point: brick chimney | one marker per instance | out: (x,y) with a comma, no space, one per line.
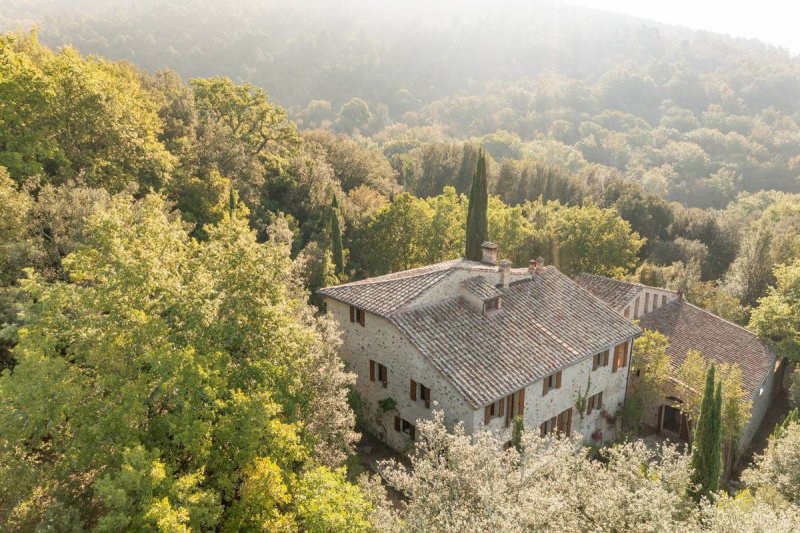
(505,272)
(489,250)
(532,267)
(539,264)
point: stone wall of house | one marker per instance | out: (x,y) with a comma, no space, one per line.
(578,379)
(380,341)
(762,400)
(650,299)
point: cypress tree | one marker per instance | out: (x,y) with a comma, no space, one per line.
(707,446)
(477,211)
(336,237)
(517,429)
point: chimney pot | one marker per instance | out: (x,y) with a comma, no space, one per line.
(489,250)
(505,272)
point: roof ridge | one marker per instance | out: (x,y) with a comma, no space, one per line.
(384,278)
(590,293)
(446,272)
(723,319)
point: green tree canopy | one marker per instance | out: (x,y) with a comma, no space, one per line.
(172,384)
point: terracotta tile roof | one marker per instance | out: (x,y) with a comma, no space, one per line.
(545,324)
(482,288)
(614,292)
(690,328)
(383,295)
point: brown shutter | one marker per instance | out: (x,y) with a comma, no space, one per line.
(352,314)
(509,409)
(371,370)
(616,359)
(426,395)
(502,408)
(397,423)
(625,354)
(605,358)
(544,387)
(600,400)
(595,362)
(384,375)
(590,405)
(558,379)
(487,415)
(413,390)
(412,431)
(543,428)
(362,319)
(568,429)
(521,394)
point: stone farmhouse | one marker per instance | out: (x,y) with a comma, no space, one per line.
(688,327)
(484,343)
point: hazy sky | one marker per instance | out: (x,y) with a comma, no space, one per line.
(772,21)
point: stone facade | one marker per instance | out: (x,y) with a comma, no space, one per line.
(380,341)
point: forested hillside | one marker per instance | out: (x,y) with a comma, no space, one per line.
(692,116)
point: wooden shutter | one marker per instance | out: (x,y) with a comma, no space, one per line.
(509,409)
(544,386)
(397,423)
(605,358)
(384,372)
(353,314)
(412,431)
(426,396)
(521,399)
(558,379)
(371,370)
(487,415)
(568,429)
(413,390)
(625,354)
(600,400)
(595,362)
(502,408)
(543,428)
(362,317)
(590,405)
(615,366)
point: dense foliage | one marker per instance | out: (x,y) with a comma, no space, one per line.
(457,483)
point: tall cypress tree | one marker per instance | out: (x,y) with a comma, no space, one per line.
(707,445)
(336,237)
(477,211)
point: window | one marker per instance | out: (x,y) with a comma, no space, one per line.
(424,393)
(401,425)
(646,302)
(620,356)
(594,402)
(600,359)
(491,305)
(379,371)
(357,315)
(561,424)
(515,405)
(494,410)
(553,381)
(636,308)
(664,300)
